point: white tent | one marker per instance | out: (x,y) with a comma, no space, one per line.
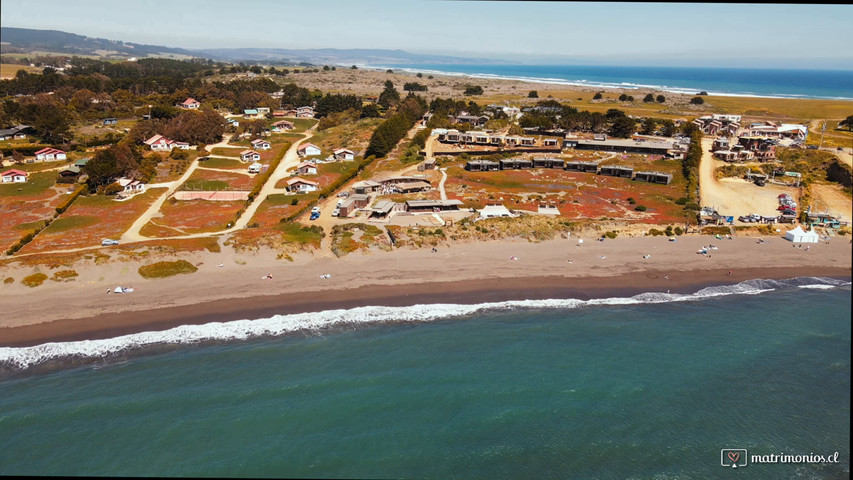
(492,211)
(798,235)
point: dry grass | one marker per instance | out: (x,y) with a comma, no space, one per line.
(167,269)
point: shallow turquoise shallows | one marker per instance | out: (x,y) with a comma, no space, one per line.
(641,391)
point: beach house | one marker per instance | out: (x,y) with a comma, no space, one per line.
(282,125)
(307,168)
(305,112)
(110,121)
(50,155)
(190,104)
(343,154)
(259,144)
(14,176)
(308,150)
(159,143)
(300,185)
(250,156)
(252,113)
(15,133)
(255,168)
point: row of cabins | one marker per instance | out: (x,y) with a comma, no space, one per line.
(587,167)
(262,112)
(18,132)
(778,130)
(485,138)
(311,150)
(746,149)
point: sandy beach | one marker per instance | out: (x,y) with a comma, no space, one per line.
(463,273)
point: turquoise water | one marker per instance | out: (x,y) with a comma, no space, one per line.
(785,83)
(610,391)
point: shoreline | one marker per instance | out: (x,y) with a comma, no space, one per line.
(594,86)
(489,290)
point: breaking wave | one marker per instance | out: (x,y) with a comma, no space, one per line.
(22,358)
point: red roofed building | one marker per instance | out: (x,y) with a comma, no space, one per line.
(13,176)
(189,103)
(50,155)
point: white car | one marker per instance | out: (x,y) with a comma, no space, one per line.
(336,212)
(315,210)
(108,242)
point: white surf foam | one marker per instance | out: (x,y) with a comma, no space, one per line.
(277,325)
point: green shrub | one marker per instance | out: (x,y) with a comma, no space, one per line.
(34,280)
(679,231)
(631,200)
(611,235)
(682,201)
(68,201)
(640,208)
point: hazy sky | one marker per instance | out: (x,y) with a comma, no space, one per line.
(761,35)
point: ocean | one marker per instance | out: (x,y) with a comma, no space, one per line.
(648,387)
(787,83)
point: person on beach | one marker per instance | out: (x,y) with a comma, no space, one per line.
(666,277)
(730,273)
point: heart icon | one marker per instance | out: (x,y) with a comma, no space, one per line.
(734,456)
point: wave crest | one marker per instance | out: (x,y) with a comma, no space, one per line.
(21,358)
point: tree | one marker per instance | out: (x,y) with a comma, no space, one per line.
(623,127)
(614,113)
(205,126)
(648,127)
(667,128)
(702,93)
(533,94)
(414,87)
(848,122)
(354,67)
(623,97)
(370,111)
(648,98)
(420,75)
(389,71)
(326,68)
(697,101)
(474,90)
(50,119)
(17,156)
(390,96)
(660,99)
(597,96)
(112,162)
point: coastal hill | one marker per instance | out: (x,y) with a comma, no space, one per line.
(26,40)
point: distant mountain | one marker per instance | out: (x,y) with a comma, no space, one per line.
(25,40)
(327,56)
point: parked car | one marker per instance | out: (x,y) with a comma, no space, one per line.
(812,147)
(108,242)
(315,215)
(336,212)
(315,210)
(760,182)
(343,194)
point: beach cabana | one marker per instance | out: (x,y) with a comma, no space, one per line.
(798,235)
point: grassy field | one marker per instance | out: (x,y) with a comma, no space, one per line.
(89,219)
(37,184)
(192,216)
(223,163)
(214,180)
(8,70)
